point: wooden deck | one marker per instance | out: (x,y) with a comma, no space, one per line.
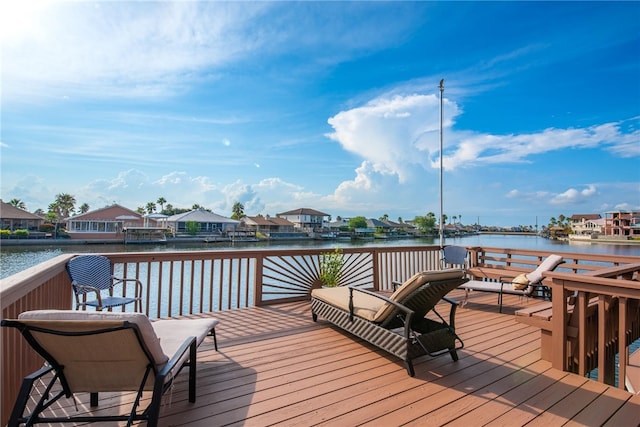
(277,367)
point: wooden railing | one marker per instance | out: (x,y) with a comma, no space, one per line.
(601,335)
(194,282)
(527,260)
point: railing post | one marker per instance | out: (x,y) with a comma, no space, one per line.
(559,325)
(257,285)
(580,309)
(623,350)
(376,273)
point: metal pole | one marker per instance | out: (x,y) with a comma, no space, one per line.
(441,196)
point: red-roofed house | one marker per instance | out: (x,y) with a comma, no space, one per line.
(106,223)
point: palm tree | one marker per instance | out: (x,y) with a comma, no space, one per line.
(151,207)
(561,220)
(18,204)
(237,211)
(84,208)
(384,218)
(161,201)
(65,204)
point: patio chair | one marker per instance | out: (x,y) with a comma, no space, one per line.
(525,284)
(89,351)
(93,274)
(454,256)
(398,323)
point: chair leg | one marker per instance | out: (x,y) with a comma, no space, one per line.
(93,399)
(192,372)
(215,340)
(23,398)
(409,366)
(46,399)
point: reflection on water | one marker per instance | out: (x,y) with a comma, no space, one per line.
(15,259)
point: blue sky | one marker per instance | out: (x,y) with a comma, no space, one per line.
(327,105)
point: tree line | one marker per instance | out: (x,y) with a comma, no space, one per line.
(64,206)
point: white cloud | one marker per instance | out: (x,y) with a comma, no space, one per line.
(568,197)
(155,49)
(573,196)
(393,133)
(473,148)
(125,49)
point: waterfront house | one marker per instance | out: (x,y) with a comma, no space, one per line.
(104,224)
(270,227)
(586,223)
(12,218)
(305,219)
(382,229)
(208,222)
(402,228)
(622,224)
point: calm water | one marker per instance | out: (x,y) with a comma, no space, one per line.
(15,259)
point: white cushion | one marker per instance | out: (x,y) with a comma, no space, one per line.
(173,332)
(548,264)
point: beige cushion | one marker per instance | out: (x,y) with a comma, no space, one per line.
(148,334)
(548,264)
(116,362)
(375,309)
(520,282)
(364,305)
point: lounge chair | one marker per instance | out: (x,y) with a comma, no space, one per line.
(526,284)
(93,274)
(397,324)
(89,351)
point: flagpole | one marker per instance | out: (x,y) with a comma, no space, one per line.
(441,229)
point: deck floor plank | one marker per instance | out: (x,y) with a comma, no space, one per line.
(275,366)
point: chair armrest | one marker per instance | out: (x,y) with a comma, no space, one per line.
(87,289)
(408,312)
(171,364)
(382,297)
(124,280)
(452,311)
(450,301)
(395,284)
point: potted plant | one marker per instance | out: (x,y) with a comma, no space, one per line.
(331,267)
